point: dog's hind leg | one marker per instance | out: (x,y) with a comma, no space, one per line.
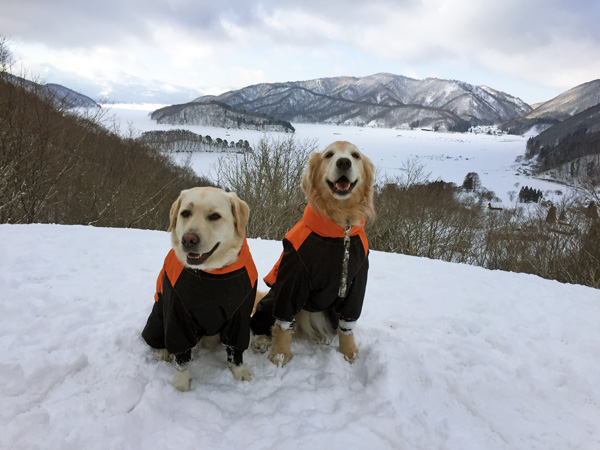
(261,343)
(163,355)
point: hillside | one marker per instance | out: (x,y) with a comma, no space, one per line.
(569,151)
(217,114)
(476,360)
(382,100)
(60,166)
(61,95)
(560,108)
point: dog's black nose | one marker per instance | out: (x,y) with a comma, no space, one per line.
(189,240)
(343,164)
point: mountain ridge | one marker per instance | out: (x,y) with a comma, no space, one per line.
(56,92)
(380,100)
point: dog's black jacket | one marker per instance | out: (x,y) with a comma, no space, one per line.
(307,275)
(190,304)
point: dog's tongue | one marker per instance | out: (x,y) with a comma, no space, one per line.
(343,184)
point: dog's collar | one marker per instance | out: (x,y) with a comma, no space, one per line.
(173,267)
(244,257)
(326,227)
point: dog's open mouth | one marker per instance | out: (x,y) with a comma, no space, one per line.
(342,186)
(196,259)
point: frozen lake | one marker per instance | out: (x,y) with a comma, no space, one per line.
(445,156)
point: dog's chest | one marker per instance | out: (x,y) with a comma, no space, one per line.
(210,300)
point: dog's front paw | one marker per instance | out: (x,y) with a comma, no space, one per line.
(280,359)
(261,343)
(241,372)
(182,380)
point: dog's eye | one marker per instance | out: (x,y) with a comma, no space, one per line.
(355,155)
(214,216)
(185,213)
(328,155)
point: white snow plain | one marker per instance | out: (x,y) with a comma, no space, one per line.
(451,357)
(445,156)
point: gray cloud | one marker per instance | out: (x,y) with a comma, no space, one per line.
(552,43)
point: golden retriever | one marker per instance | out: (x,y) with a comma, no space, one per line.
(318,284)
(207,286)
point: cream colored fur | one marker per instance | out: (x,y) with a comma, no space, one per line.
(192,213)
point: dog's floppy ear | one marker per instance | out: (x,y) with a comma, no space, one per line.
(174,212)
(308,179)
(241,213)
(369,169)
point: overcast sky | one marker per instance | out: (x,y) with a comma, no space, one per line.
(533,49)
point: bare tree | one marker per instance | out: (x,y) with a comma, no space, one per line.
(268,178)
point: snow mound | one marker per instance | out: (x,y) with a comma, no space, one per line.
(451,357)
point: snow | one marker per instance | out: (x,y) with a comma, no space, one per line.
(446,156)
(451,357)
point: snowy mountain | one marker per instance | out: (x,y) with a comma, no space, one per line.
(381,100)
(476,360)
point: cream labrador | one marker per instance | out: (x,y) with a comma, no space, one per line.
(207,287)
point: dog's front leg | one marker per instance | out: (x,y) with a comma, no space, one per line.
(280,347)
(348,347)
(182,380)
(235,362)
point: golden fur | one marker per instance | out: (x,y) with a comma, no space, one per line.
(351,204)
(358,206)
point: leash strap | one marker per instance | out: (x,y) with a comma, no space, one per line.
(344,279)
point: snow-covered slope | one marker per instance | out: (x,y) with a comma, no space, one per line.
(569,103)
(452,357)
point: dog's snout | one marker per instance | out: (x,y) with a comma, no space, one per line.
(343,163)
(190,239)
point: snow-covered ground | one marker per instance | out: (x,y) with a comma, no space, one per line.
(446,156)
(452,357)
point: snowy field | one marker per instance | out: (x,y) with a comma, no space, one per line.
(446,156)
(478,359)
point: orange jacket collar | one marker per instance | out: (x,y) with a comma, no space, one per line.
(326,227)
